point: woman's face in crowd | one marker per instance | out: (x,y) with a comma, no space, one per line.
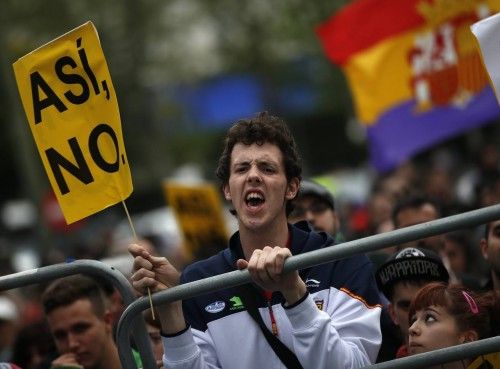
(431,329)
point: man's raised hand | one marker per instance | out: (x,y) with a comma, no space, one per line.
(154,272)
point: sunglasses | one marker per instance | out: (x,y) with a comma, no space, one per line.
(315,208)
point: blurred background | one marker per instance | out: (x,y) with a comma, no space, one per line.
(184,71)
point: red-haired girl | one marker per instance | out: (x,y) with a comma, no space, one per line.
(447,315)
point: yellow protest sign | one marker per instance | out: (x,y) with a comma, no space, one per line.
(198,211)
(72,110)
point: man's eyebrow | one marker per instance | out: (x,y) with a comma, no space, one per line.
(77,324)
(265,161)
(404,302)
(241,162)
(268,164)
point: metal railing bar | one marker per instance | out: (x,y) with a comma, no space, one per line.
(306,260)
(96,269)
(441,356)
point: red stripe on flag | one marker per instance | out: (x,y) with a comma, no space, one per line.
(364,23)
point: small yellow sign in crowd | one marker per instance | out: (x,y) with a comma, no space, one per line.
(199,214)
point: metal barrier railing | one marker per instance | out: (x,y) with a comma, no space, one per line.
(441,356)
(306,260)
(96,269)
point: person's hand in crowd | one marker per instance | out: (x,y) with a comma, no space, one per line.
(157,274)
(153,272)
(266,268)
(66,360)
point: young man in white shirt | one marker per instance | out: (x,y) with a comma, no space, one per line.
(327,316)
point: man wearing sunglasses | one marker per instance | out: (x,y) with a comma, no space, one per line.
(315,204)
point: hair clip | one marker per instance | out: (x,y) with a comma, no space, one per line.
(472,304)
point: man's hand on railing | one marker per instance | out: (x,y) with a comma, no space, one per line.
(266,268)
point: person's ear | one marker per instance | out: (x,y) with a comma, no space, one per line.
(292,188)
(392,313)
(108,320)
(469,336)
(483,244)
(227,193)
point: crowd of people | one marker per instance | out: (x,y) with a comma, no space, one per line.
(398,301)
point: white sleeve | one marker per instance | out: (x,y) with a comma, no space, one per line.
(347,336)
(191,349)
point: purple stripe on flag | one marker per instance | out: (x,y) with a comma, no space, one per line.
(401,133)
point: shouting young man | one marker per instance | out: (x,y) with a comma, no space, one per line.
(325,316)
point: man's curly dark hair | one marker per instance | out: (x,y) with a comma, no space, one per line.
(263,128)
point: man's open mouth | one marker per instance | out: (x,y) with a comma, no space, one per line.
(254,199)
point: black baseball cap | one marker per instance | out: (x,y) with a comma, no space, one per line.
(410,264)
(311,188)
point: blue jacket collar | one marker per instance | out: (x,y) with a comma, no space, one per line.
(303,239)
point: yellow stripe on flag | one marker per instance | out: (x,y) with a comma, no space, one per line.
(380,77)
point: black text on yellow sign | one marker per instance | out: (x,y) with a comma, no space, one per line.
(69,100)
(199,213)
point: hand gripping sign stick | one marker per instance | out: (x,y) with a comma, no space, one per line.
(72,110)
(136,239)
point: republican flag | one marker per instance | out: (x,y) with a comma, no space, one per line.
(414,71)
